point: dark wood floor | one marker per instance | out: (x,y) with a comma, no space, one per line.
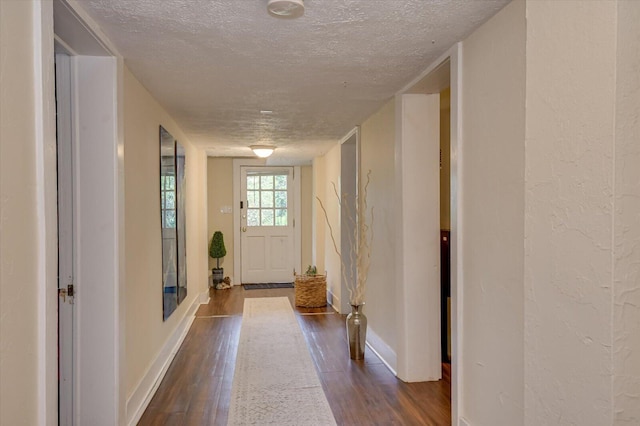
(197,387)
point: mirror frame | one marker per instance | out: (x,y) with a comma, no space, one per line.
(172,222)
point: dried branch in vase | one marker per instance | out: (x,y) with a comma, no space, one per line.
(359,242)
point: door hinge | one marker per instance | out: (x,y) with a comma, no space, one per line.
(294,223)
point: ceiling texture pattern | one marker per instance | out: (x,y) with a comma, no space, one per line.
(215,64)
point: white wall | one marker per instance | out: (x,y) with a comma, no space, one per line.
(626,278)
(146,333)
(492,169)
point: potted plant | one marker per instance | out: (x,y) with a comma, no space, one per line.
(217,250)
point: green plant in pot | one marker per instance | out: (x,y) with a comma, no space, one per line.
(217,250)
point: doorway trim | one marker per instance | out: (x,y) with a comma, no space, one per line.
(454,56)
(238,163)
(97,94)
(47,203)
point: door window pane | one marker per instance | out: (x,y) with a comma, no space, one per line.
(170,200)
(169,183)
(252,199)
(252,182)
(281,217)
(281,199)
(266,182)
(281,182)
(267,217)
(266,199)
(253,217)
(170,219)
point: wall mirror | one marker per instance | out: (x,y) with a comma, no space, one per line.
(173,222)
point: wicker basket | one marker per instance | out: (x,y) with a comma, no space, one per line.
(311,291)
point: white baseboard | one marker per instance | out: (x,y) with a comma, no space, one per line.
(386,354)
(146,388)
(204,297)
(463,422)
(333,301)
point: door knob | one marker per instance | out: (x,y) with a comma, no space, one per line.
(244,229)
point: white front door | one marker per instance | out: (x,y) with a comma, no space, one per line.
(267,224)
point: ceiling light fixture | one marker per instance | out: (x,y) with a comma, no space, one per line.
(263,151)
(288,9)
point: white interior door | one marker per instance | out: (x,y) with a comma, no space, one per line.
(267,224)
(65,241)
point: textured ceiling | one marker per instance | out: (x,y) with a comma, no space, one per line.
(215,64)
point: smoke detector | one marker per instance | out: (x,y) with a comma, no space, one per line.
(288,9)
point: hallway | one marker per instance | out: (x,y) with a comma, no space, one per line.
(196,389)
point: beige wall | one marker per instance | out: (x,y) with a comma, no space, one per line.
(318,247)
(327,170)
(581,284)
(377,154)
(581,193)
(572,130)
(146,333)
(220,194)
(19,244)
(306,215)
(626,278)
(493,220)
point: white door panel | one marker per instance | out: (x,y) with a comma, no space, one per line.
(255,255)
(66,274)
(280,253)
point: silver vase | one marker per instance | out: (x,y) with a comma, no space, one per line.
(356,332)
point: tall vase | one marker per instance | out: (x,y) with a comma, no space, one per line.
(356,332)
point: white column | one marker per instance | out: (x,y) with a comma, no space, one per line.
(418,236)
(98,220)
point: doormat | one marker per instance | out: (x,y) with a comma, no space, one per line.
(262,286)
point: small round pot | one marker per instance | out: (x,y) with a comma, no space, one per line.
(218,275)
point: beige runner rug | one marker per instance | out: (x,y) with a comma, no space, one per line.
(275,381)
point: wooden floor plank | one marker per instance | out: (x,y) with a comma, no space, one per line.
(197,387)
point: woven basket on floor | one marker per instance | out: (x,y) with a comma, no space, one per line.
(311,291)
